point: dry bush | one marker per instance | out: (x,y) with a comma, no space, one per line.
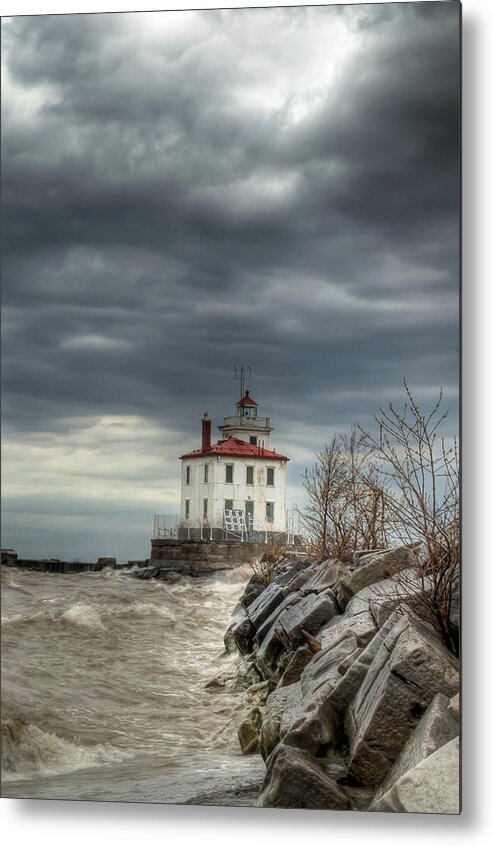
(346,501)
(422,504)
(397,486)
(264,568)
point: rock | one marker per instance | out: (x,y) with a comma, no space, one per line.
(257,694)
(246,674)
(263,606)
(296,665)
(219,682)
(317,730)
(409,668)
(436,727)
(454,707)
(284,707)
(300,578)
(326,575)
(243,634)
(349,683)
(361,624)
(364,553)
(267,655)
(295,779)
(348,661)
(309,614)
(382,598)
(228,639)
(249,731)
(322,674)
(255,586)
(288,570)
(290,600)
(432,787)
(375,568)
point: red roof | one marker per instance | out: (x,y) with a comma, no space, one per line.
(237,448)
(246,400)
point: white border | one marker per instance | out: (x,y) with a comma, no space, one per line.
(54,823)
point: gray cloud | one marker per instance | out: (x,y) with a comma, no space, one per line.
(278,187)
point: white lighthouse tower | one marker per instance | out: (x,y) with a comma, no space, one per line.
(235,487)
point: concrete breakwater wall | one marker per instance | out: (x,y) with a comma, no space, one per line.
(52,565)
(351,698)
(170,555)
(188,556)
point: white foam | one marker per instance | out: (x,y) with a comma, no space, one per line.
(84,616)
(28,750)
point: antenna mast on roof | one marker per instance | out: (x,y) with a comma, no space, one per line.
(243,375)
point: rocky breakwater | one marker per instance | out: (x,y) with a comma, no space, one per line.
(353,700)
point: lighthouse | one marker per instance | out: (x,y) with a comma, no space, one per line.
(234,488)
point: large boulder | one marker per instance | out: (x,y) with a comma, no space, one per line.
(436,727)
(309,614)
(375,568)
(409,668)
(322,674)
(289,569)
(301,577)
(325,575)
(296,664)
(317,731)
(348,683)
(267,655)
(254,587)
(431,787)
(242,634)
(284,707)
(361,623)
(406,588)
(263,606)
(296,779)
(291,599)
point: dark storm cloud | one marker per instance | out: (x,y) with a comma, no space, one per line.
(160,225)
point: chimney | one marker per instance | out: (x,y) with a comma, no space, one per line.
(206,432)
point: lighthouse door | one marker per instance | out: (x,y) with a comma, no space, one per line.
(249,515)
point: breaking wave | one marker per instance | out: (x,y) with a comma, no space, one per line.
(117,677)
(84,616)
(27,750)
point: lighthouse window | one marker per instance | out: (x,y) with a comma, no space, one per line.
(253,440)
(269,512)
(206,502)
(249,475)
(206,473)
(229,473)
(187,509)
(187,471)
(270,475)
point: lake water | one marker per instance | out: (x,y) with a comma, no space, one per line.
(104,689)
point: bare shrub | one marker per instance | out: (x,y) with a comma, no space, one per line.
(346,501)
(422,502)
(265,567)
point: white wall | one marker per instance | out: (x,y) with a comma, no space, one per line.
(216,491)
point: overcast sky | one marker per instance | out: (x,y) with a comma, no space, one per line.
(184,192)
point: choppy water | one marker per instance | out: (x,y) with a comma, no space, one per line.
(104,687)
